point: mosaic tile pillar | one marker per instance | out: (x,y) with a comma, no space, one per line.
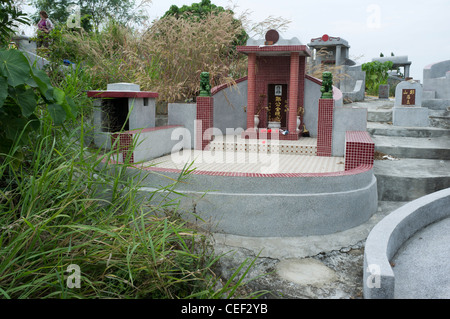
(205,121)
(325,127)
(359,149)
(293,92)
(123,144)
(251,91)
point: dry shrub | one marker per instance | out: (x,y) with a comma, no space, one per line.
(170,54)
(183,48)
(316,70)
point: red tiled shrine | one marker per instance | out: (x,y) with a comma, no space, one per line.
(276,82)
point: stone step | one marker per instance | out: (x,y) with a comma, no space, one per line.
(409,179)
(414,147)
(440,118)
(436,104)
(385,129)
(379,115)
(428,95)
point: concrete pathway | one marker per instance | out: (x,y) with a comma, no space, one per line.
(422,264)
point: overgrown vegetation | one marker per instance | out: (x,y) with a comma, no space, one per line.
(63,207)
(167,57)
(10,18)
(376,74)
(60,205)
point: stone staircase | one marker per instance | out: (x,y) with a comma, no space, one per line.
(419,157)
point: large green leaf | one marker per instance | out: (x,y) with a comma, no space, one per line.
(14,66)
(24,98)
(59,96)
(17,127)
(73,107)
(3,90)
(57,113)
(39,79)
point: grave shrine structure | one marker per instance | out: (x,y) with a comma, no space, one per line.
(276,82)
(124,120)
(335,51)
(408,110)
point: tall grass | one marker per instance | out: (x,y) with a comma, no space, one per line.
(62,206)
(168,56)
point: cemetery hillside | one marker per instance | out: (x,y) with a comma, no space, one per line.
(205,155)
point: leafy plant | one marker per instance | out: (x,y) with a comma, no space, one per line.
(22,89)
(376,74)
(10,16)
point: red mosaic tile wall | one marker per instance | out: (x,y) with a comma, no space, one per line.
(325,127)
(251,90)
(123,142)
(205,121)
(359,149)
(276,70)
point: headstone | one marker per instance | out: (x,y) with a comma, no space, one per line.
(383,91)
(408,110)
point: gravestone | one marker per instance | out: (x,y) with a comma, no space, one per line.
(383,91)
(408,110)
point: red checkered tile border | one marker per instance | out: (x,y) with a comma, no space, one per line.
(325,127)
(359,149)
(205,121)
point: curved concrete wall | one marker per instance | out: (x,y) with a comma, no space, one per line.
(436,78)
(436,70)
(390,233)
(273,205)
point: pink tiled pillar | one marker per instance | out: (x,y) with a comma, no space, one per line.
(251,91)
(123,143)
(205,121)
(325,127)
(359,149)
(293,92)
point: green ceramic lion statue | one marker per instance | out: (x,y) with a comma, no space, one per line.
(327,85)
(205,87)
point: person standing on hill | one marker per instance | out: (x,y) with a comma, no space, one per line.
(44,28)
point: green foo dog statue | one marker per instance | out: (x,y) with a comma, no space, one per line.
(327,85)
(205,87)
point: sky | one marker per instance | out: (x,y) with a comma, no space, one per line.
(417,29)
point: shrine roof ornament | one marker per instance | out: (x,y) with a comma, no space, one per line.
(274,44)
(326,40)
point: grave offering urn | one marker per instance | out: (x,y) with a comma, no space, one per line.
(256,121)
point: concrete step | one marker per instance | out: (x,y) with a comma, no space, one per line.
(384,129)
(379,115)
(440,118)
(436,104)
(414,147)
(409,179)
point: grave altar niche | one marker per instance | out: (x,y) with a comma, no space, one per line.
(276,81)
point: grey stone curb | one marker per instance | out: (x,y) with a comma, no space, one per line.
(390,233)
